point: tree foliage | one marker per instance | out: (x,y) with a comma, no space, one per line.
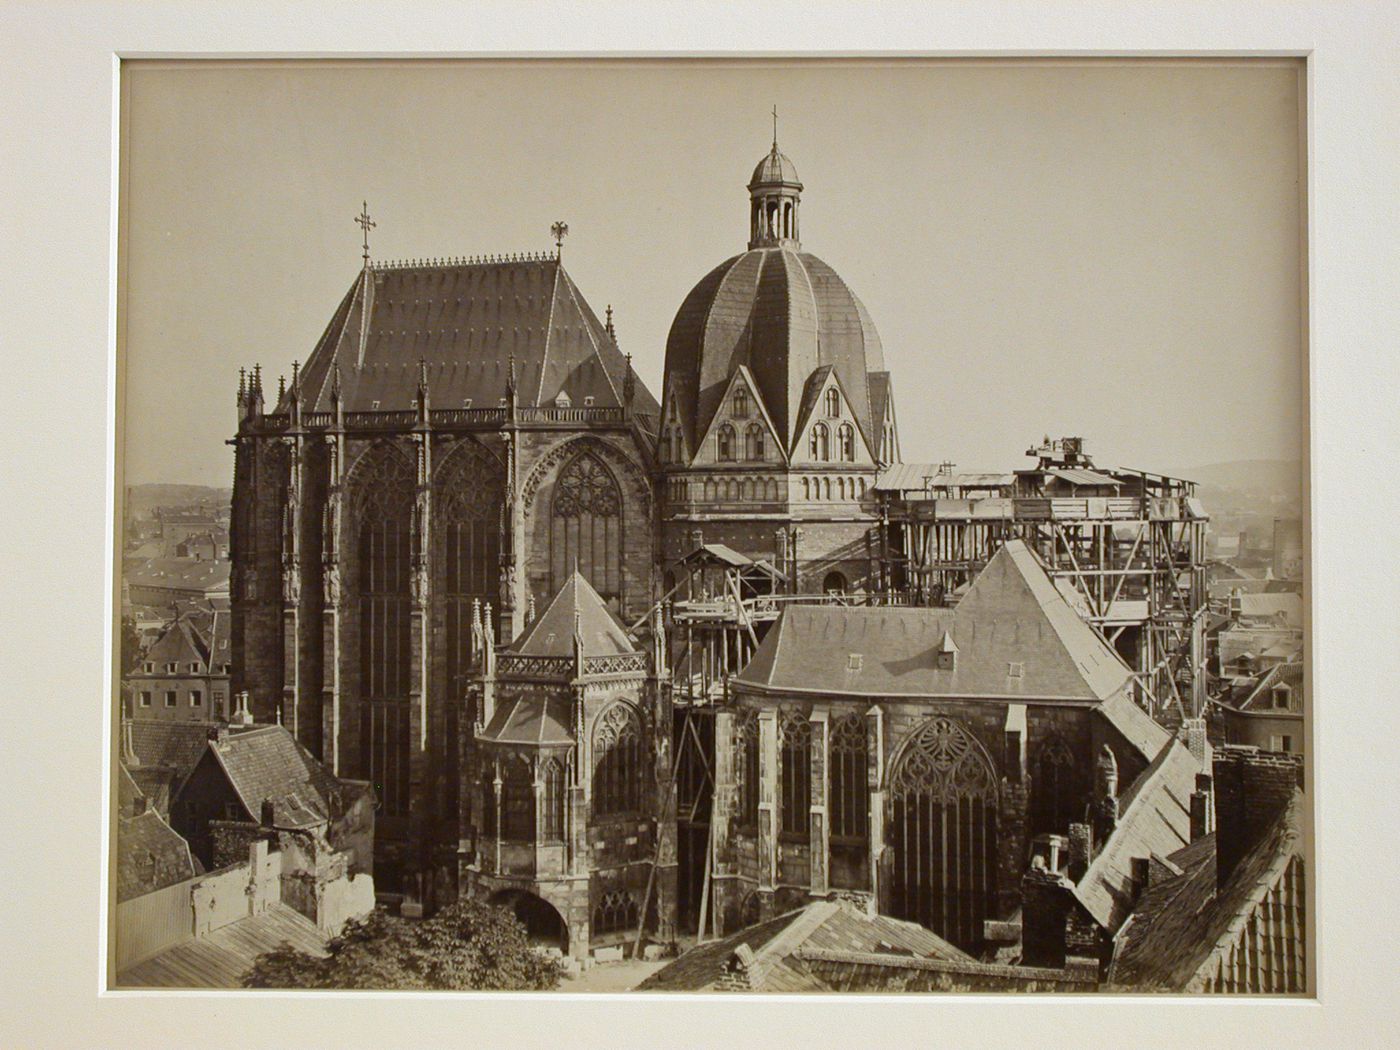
(468,946)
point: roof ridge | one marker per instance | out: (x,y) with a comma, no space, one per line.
(597,351)
(548,332)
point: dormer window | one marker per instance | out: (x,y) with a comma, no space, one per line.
(833,404)
(562,400)
(588,402)
(172,668)
(1015,670)
(1282,695)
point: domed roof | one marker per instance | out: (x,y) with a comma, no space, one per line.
(784,314)
(775,167)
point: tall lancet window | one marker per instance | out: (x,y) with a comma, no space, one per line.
(847,441)
(383,484)
(586,527)
(943,830)
(617,762)
(753,442)
(795,767)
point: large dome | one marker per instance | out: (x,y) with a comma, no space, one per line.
(784,314)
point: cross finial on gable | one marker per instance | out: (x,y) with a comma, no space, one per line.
(366,224)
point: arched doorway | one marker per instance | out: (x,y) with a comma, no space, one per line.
(942,830)
(542,921)
(834,581)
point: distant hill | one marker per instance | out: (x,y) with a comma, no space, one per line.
(1271,477)
(143,497)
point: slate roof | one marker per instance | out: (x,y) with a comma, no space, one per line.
(825,926)
(534,721)
(221,958)
(1287,606)
(784,314)
(181,642)
(176,746)
(552,633)
(267,763)
(151,856)
(1181,922)
(1011,618)
(185,574)
(466,320)
(1154,818)
(1262,698)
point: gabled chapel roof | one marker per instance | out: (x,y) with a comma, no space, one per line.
(579,607)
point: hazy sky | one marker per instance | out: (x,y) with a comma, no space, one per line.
(1109,250)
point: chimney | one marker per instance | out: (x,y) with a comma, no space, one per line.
(241,715)
(1194,733)
(1252,788)
(1080,845)
(1202,808)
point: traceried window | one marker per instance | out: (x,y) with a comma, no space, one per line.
(616,912)
(586,524)
(383,485)
(846,439)
(1052,788)
(753,442)
(517,800)
(617,761)
(943,832)
(819,444)
(849,789)
(795,769)
(745,763)
(741,404)
(467,505)
(552,813)
(724,441)
(833,404)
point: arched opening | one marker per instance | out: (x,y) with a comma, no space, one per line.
(542,921)
(753,442)
(1053,794)
(850,802)
(834,581)
(833,403)
(848,443)
(617,762)
(819,445)
(725,441)
(942,830)
(586,527)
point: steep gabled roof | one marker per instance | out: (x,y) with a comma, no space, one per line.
(1181,922)
(552,633)
(466,320)
(1286,674)
(1155,819)
(267,764)
(1016,638)
(175,746)
(774,949)
(151,856)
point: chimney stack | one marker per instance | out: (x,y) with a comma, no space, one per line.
(1252,788)
(241,715)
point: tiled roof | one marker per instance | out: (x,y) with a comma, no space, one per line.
(180,642)
(176,746)
(267,764)
(782,313)
(1155,819)
(150,856)
(1181,922)
(221,958)
(466,320)
(1011,620)
(1287,607)
(1262,699)
(176,573)
(532,720)
(552,633)
(775,964)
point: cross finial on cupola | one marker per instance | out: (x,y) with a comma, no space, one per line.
(775,125)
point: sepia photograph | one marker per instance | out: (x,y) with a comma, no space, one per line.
(712,525)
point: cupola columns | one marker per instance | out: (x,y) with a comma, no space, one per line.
(775,194)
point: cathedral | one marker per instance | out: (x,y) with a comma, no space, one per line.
(457,533)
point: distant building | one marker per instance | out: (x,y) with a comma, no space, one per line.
(1288,548)
(1271,716)
(184,674)
(210,545)
(1228,912)
(567,782)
